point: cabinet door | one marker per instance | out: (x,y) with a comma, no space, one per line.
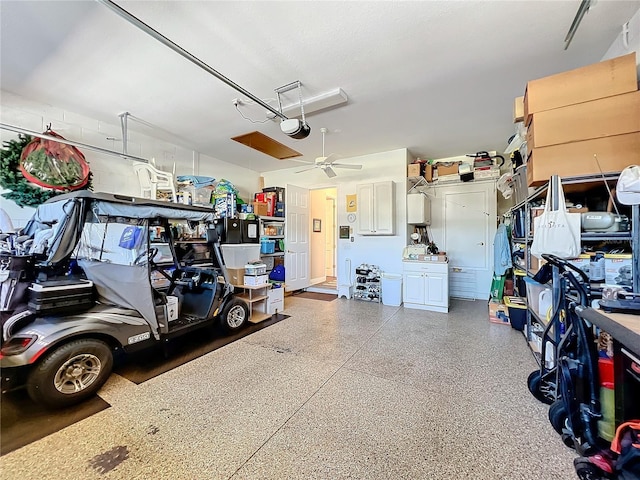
(383,208)
(365,209)
(436,291)
(413,288)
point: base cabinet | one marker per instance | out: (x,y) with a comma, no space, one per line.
(425,285)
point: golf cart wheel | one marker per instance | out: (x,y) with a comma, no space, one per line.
(234,315)
(70,373)
(534,382)
(558,416)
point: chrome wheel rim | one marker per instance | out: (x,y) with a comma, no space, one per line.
(236,316)
(77,373)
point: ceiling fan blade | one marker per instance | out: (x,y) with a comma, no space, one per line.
(331,158)
(346,165)
(306,169)
(329,171)
(300,161)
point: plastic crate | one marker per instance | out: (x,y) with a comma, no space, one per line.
(517,312)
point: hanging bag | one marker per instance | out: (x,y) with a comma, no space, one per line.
(556,232)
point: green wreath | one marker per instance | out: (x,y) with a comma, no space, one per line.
(22,192)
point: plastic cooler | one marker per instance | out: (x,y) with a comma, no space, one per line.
(517,312)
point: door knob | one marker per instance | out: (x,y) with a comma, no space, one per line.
(481,243)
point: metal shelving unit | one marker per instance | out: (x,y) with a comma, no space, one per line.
(575,185)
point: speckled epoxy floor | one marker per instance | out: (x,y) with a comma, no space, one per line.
(342,389)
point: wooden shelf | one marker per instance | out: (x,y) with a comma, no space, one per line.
(254,295)
(248,299)
(252,287)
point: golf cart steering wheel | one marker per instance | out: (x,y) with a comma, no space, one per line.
(148,256)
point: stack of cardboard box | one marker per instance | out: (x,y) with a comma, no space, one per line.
(576,115)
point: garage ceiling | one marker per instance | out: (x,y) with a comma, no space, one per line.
(437,77)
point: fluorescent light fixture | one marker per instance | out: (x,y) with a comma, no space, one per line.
(324,101)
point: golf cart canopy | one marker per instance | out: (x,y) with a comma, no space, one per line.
(58,222)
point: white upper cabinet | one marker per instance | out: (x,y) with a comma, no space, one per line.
(376,208)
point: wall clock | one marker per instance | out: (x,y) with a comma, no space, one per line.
(351,217)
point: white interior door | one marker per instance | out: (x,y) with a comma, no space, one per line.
(463,224)
(297,258)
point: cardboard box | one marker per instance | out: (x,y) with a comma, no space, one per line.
(414,169)
(171,307)
(498,313)
(279,191)
(448,168)
(428,173)
(261,209)
(518,109)
(618,269)
(604,79)
(275,300)
(596,119)
(253,280)
(530,138)
(583,262)
(236,276)
(576,159)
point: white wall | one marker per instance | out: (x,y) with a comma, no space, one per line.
(113,174)
(317,244)
(618,48)
(385,251)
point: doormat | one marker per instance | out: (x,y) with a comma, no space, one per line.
(327,297)
(22,421)
(145,365)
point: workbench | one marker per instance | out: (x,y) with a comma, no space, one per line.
(625,331)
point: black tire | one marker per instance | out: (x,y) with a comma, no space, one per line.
(70,373)
(533,383)
(558,416)
(235,315)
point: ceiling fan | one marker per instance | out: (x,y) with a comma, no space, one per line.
(327,163)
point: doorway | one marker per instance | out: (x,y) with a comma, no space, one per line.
(323,240)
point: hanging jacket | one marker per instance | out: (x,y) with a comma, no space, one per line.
(501,251)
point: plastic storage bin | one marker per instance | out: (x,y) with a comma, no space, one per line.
(255,269)
(238,255)
(533,293)
(391,289)
(517,312)
(267,246)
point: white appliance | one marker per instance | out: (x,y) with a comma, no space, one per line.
(418,209)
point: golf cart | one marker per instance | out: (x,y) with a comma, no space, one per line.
(105,272)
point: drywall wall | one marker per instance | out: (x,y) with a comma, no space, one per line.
(317,245)
(113,174)
(627,41)
(384,251)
